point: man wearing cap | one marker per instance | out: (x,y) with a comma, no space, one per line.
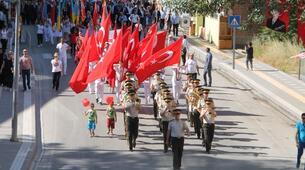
(191,66)
(154,87)
(208,115)
(198,105)
(132,108)
(191,104)
(166,116)
(176,130)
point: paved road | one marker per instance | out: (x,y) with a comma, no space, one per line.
(249,133)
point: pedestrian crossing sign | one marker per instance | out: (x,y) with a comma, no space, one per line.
(234,21)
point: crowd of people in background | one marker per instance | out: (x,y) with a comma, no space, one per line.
(6,46)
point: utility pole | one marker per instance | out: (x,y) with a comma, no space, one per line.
(234,42)
(16,75)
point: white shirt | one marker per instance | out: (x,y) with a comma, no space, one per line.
(56,66)
(62,49)
(4,33)
(118,71)
(39,29)
(209,117)
(176,128)
(191,66)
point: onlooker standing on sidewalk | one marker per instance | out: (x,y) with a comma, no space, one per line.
(185,48)
(208,68)
(56,70)
(191,66)
(249,50)
(168,22)
(26,66)
(175,21)
(6,70)
(62,48)
(176,130)
(162,18)
(300,138)
(207,116)
(40,28)
(4,38)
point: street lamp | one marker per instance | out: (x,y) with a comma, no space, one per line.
(16,71)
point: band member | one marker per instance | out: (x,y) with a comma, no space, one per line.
(189,91)
(132,108)
(199,104)
(147,92)
(154,87)
(166,116)
(208,115)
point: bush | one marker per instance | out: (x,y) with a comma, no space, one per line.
(277,53)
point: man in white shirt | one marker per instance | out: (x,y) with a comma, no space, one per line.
(191,66)
(118,68)
(185,48)
(62,48)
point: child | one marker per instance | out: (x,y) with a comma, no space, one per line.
(111,117)
(92,120)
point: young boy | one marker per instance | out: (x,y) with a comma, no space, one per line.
(92,120)
(111,118)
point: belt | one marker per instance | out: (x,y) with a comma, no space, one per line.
(178,137)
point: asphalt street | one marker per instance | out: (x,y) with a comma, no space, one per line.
(249,133)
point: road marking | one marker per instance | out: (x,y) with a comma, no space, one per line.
(27,132)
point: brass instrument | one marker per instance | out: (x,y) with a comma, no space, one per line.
(194,98)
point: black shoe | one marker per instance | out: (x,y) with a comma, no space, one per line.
(134,144)
(96,100)
(29,87)
(204,84)
(209,85)
(298,164)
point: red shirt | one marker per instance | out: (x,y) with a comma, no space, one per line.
(74,38)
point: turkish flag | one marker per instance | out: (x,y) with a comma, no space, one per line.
(103,34)
(163,58)
(78,80)
(131,48)
(95,15)
(104,14)
(105,67)
(152,30)
(148,49)
(83,45)
(93,50)
(160,41)
(126,36)
(143,42)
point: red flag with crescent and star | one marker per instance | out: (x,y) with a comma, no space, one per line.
(160,41)
(78,80)
(83,45)
(131,48)
(103,34)
(163,58)
(105,67)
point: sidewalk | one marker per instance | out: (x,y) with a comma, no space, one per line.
(283,91)
(17,155)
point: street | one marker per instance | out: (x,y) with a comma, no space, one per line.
(249,133)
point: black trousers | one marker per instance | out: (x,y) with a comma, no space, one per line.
(4,44)
(39,38)
(132,132)
(177,147)
(183,56)
(208,135)
(175,29)
(249,60)
(73,49)
(162,22)
(155,105)
(164,130)
(197,123)
(26,78)
(56,77)
(209,73)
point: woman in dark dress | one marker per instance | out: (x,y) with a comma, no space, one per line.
(7,70)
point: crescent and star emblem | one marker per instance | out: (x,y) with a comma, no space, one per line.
(169,55)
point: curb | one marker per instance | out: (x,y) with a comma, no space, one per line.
(276,102)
